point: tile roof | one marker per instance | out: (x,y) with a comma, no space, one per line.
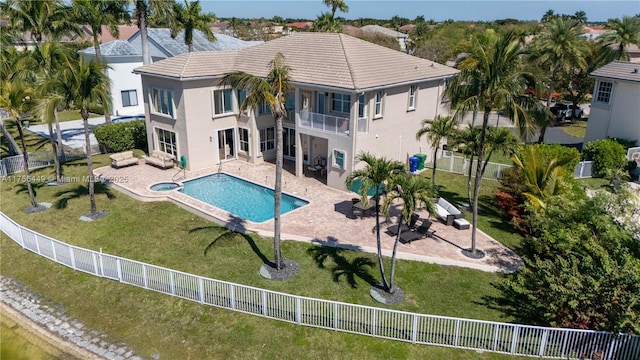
(619,70)
(114,48)
(331,60)
(162,37)
(383,30)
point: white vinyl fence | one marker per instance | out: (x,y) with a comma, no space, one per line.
(477,335)
(460,165)
(39,159)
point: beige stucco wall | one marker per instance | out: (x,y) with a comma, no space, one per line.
(620,118)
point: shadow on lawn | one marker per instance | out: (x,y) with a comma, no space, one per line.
(350,270)
(225,235)
(81,191)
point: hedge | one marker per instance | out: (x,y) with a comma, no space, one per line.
(606,154)
(122,136)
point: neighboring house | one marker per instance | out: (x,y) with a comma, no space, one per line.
(124,56)
(350,96)
(124,33)
(615,107)
(162,45)
(377,29)
(126,87)
(299,25)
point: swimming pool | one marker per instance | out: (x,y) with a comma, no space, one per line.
(239,197)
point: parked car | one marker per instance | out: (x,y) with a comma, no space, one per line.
(531,92)
(563,110)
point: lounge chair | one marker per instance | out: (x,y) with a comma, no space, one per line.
(417,234)
(393,229)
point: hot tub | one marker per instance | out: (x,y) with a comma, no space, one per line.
(165,186)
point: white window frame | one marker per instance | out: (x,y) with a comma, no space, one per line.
(243,142)
(226,108)
(162,145)
(413,92)
(241,98)
(267,144)
(605,91)
(362,106)
(264,109)
(158,105)
(341,103)
(378,107)
(129,98)
(334,161)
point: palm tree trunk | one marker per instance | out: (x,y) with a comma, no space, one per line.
(54,149)
(543,130)
(96,47)
(478,179)
(25,158)
(278,195)
(146,57)
(92,197)
(469,179)
(393,255)
(435,162)
(59,137)
(385,285)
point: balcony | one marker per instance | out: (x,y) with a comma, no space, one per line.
(323,122)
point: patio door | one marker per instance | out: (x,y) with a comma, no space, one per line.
(226,144)
(289,143)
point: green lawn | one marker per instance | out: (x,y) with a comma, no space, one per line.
(69,115)
(163,234)
(577,129)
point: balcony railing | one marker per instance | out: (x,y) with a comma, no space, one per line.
(324,122)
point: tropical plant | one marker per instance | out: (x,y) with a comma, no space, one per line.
(44,61)
(18,100)
(414,192)
(560,47)
(99,13)
(326,23)
(189,17)
(606,154)
(336,5)
(271,90)
(82,85)
(543,177)
(466,141)
(436,130)
(548,16)
(495,81)
(581,16)
(621,33)
(39,18)
(144,9)
(375,175)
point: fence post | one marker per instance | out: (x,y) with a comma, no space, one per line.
(201,288)
(53,247)
(374,322)
(172,284)
(119,269)
(298,310)
(514,339)
(414,332)
(144,275)
(264,302)
(543,343)
(335,316)
(451,163)
(73,258)
(457,336)
(101,263)
(232,296)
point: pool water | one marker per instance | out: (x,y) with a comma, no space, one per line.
(165,186)
(239,197)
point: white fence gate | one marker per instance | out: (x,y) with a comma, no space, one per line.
(515,339)
(584,169)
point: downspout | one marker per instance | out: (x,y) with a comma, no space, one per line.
(438,99)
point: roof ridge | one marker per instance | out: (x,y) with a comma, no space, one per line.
(349,65)
(186,63)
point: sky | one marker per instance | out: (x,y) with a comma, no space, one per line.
(478,10)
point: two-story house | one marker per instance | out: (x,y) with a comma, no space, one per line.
(615,106)
(350,96)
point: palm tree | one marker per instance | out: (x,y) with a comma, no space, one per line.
(39,18)
(435,130)
(46,59)
(82,85)
(498,82)
(548,16)
(466,141)
(621,34)
(336,5)
(559,48)
(414,192)
(189,19)
(17,99)
(326,23)
(581,16)
(271,90)
(98,13)
(144,9)
(543,177)
(375,175)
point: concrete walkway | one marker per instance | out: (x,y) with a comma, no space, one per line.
(324,221)
(72,131)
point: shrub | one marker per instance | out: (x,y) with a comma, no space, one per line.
(557,151)
(607,155)
(122,136)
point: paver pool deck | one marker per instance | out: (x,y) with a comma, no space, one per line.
(324,221)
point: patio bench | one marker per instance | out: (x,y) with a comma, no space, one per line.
(124,158)
(447,212)
(160,159)
(461,224)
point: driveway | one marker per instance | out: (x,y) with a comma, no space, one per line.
(72,132)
